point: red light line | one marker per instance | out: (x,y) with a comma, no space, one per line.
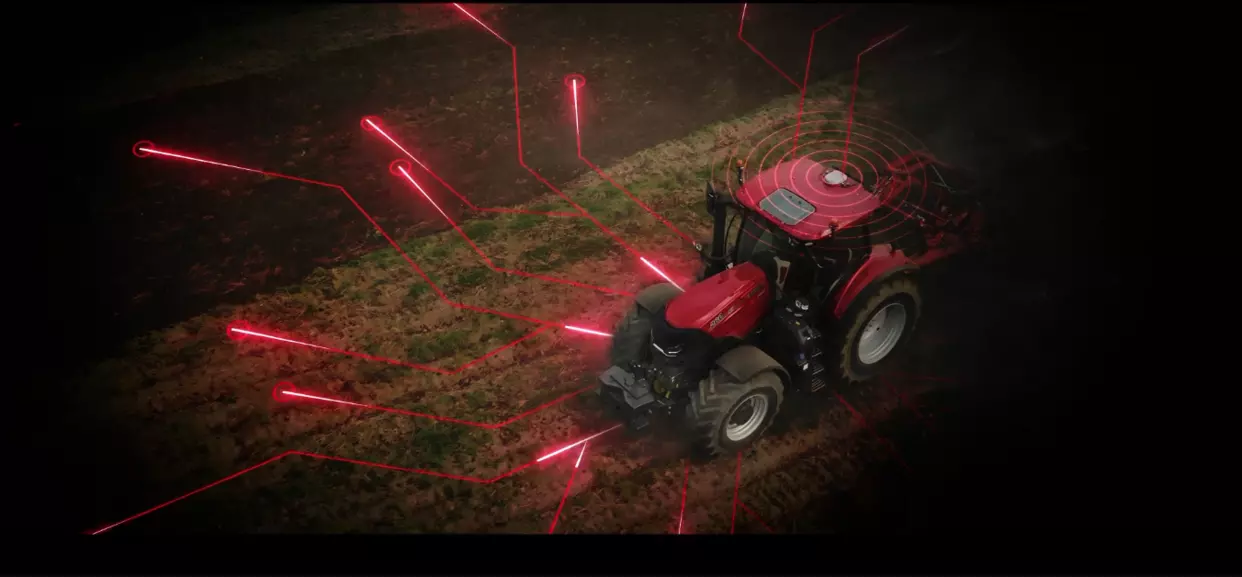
(190,494)
(375,126)
(778,70)
(580,442)
(426,472)
(756,517)
(577,126)
(488,261)
(737,484)
(565,497)
(625,191)
(685,483)
(867,424)
(806,79)
(849,119)
(517,115)
(439,292)
(421,367)
(481,425)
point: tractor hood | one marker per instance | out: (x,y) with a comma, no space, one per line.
(726,304)
(806,199)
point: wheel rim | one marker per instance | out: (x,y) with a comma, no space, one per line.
(751,412)
(881,334)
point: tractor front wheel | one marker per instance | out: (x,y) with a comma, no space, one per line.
(727,416)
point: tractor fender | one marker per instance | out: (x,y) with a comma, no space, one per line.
(656,296)
(745,361)
(883,264)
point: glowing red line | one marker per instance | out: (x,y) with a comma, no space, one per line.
(849,119)
(478,424)
(190,494)
(418,366)
(577,128)
(867,425)
(681,515)
(445,184)
(565,497)
(480,22)
(652,212)
(488,261)
(742,25)
(439,293)
(588,331)
(575,444)
(517,115)
(806,79)
(661,273)
(578,463)
(425,472)
(756,517)
(737,484)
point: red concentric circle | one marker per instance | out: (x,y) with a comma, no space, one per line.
(798,153)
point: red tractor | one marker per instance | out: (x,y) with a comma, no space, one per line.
(818,286)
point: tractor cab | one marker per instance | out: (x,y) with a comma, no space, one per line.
(803,222)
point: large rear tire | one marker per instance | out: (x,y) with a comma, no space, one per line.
(877,329)
(726,416)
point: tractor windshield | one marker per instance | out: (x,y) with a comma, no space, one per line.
(757,234)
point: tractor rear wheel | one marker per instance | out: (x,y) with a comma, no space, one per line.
(877,329)
(727,416)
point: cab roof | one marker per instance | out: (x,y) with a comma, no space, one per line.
(807,199)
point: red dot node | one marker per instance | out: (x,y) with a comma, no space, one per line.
(278,392)
(570,78)
(399,165)
(369,123)
(231,330)
(140,145)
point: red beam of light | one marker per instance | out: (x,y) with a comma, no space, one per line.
(737,484)
(756,517)
(149,149)
(685,483)
(579,442)
(849,119)
(741,25)
(370,123)
(626,192)
(587,331)
(661,273)
(488,261)
(286,392)
(565,497)
(806,79)
(252,468)
(517,115)
(577,126)
(237,332)
(867,424)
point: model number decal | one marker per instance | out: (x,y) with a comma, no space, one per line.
(722,316)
